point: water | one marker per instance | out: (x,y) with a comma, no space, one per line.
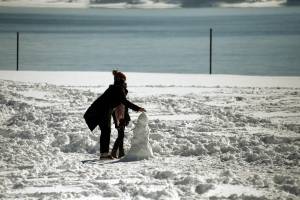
(263,41)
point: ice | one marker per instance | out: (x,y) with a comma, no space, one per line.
(212,137)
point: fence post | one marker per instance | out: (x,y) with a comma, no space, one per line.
(210,53)
(17,51)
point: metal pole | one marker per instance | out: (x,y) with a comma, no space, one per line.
(17,51)
(210,53)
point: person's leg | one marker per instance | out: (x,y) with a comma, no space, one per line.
(104,138)
(115,148)
(119,143)
(105,128)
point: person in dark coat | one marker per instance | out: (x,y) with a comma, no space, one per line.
(101,110)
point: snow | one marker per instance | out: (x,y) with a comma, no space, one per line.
(46,3)
(137,4)
(212,137)
(141,4)
(254,4)
(161,81)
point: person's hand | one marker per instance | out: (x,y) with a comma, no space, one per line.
(142,110)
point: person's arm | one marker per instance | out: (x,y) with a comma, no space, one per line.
(130,105)
(115,119)
(127,116)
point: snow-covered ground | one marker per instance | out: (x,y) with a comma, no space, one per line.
(213,137)
(46,3)
(142,4)
(136,4)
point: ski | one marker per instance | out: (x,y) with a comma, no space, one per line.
(95,161)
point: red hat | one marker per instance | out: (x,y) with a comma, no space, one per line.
(118,75)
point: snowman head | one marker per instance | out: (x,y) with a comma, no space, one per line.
(142,119)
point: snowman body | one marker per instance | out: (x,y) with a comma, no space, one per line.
(140,147)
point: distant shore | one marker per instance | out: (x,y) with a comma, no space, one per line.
(78,78)
(145,4)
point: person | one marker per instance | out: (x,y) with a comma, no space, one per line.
(121,119)
(101,110)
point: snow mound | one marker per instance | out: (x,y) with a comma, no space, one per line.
(140,147)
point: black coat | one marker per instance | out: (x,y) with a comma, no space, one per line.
(102,108)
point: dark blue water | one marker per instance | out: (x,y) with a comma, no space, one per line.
(262,41)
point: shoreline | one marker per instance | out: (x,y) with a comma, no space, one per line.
(83,78)
(142,6)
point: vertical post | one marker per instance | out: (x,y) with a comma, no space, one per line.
(210,53)
(17,51)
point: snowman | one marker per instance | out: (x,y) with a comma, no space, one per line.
(140,147)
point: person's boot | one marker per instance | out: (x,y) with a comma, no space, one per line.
(121,153)
(114,153)
(106,156)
